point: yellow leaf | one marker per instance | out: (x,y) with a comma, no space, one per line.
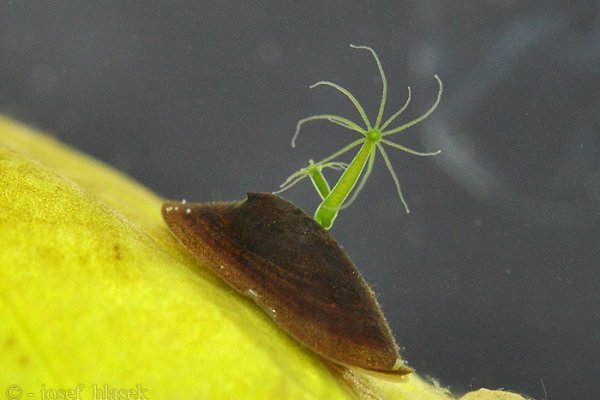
(97,297)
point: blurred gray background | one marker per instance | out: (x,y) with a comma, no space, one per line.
(493,279)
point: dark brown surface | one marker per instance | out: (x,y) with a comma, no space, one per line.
(270,250)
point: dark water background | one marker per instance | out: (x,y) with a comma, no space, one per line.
(493,279)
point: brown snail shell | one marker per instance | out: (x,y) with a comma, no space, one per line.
(270,250)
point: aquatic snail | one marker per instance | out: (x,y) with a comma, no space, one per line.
(273,252)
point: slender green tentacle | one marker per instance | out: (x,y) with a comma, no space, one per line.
(343,150)
(397,113)
(328,117)
(394,177)
(314,171)
(408,150)
(361,110)
(383,81)
(422,117)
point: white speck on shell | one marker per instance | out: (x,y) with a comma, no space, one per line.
(254,296)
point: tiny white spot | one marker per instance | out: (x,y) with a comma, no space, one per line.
(169,209)
(176,208)
(254,296)
(183,201)
(221,266)
(188,210)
